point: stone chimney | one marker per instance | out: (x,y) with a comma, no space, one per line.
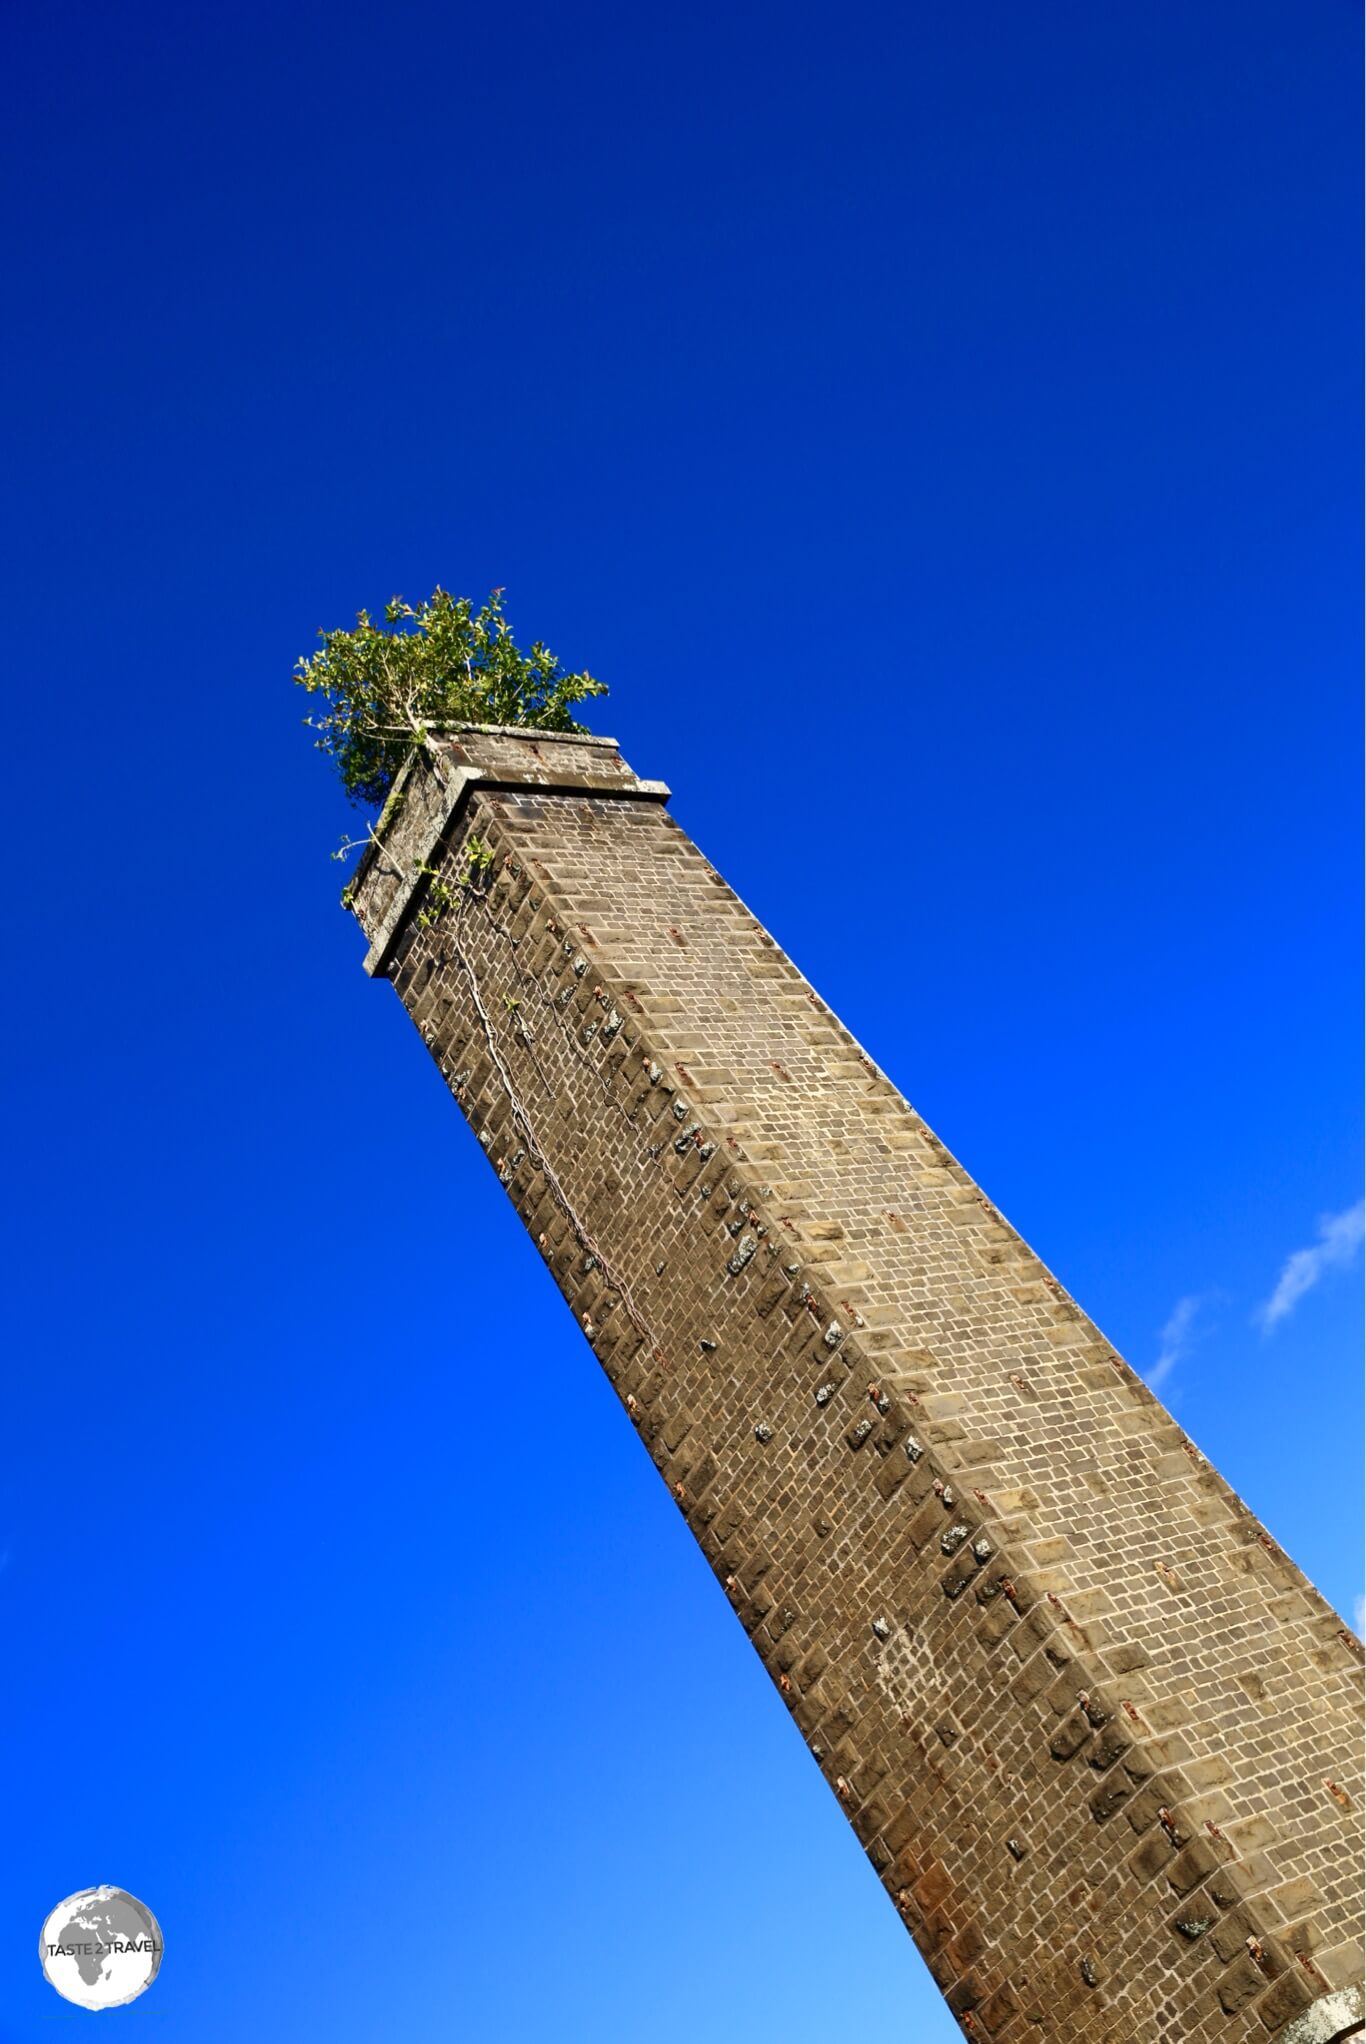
(1099,1737)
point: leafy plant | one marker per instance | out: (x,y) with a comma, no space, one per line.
(384,691)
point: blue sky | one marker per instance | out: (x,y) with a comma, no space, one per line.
(940,428)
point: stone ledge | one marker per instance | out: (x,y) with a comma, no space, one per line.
(1331,2017)
(534,732)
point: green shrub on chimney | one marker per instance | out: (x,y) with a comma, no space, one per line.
(384,690)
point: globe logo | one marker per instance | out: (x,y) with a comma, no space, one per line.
(101,1948)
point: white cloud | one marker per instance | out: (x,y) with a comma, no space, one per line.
(1359,1617)
(1175,1339)
(1340,1238)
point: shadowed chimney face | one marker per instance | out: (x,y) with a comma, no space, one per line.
(1099,1737)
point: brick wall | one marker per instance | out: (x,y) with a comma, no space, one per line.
(1099,1737)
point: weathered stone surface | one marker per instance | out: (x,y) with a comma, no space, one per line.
(1239,1984)
(838,1354)
(1331,2017)
(1070,1737)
